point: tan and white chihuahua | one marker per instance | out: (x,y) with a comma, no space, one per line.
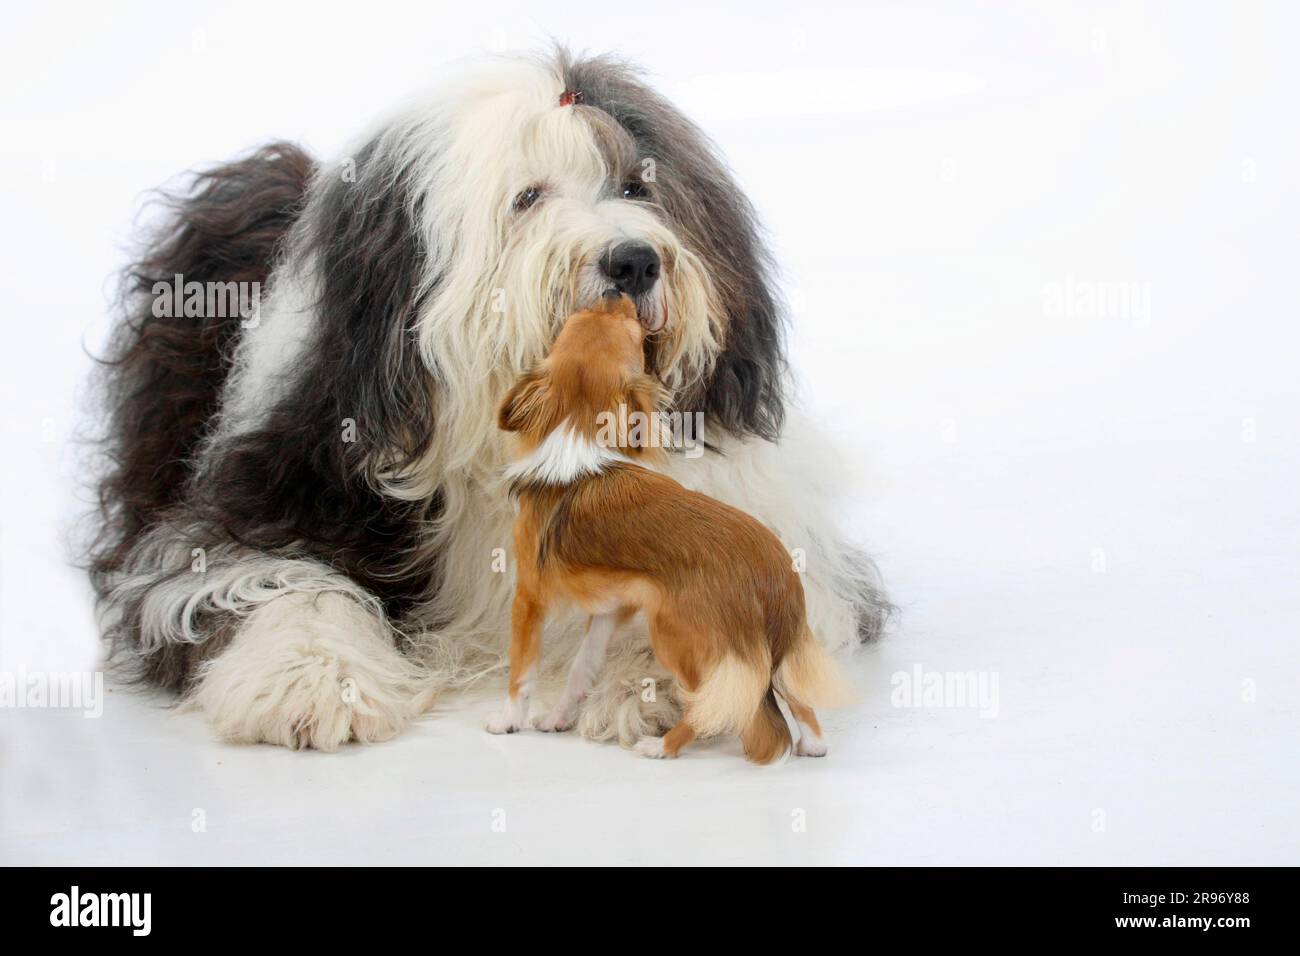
(600,528)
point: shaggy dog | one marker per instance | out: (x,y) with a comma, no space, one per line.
(305,526)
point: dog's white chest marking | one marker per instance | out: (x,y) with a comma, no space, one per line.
(564,457)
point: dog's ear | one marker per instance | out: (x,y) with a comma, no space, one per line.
(643,393)
(528,404)
(701,202)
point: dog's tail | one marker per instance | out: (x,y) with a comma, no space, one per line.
(767,737)
(736,697)
(164,370)
(808,675)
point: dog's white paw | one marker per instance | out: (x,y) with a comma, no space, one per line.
(651,747)
(502,722)
(810,746)
(309,671)
(556,722)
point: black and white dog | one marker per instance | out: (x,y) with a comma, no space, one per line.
(305,525)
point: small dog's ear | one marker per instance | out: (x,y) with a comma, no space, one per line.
(527,403)
(644,394)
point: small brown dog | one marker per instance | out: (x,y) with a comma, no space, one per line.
(600,528)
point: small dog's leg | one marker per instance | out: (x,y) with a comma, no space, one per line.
(669,745)
(582,675)
(525,648)
(810,742)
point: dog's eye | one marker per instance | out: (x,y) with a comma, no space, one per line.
(635,189)
(527,198)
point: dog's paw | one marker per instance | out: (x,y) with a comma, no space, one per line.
(556,722)
(309,671)
(810,746)
(652,747)
(501,722)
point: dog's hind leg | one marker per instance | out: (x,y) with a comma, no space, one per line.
(811,743)
(675,643)
(669,745)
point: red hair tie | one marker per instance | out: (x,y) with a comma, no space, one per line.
(570,97)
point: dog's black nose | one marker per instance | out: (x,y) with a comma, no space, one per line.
(632,266)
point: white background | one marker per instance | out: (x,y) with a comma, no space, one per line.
(1097,506)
